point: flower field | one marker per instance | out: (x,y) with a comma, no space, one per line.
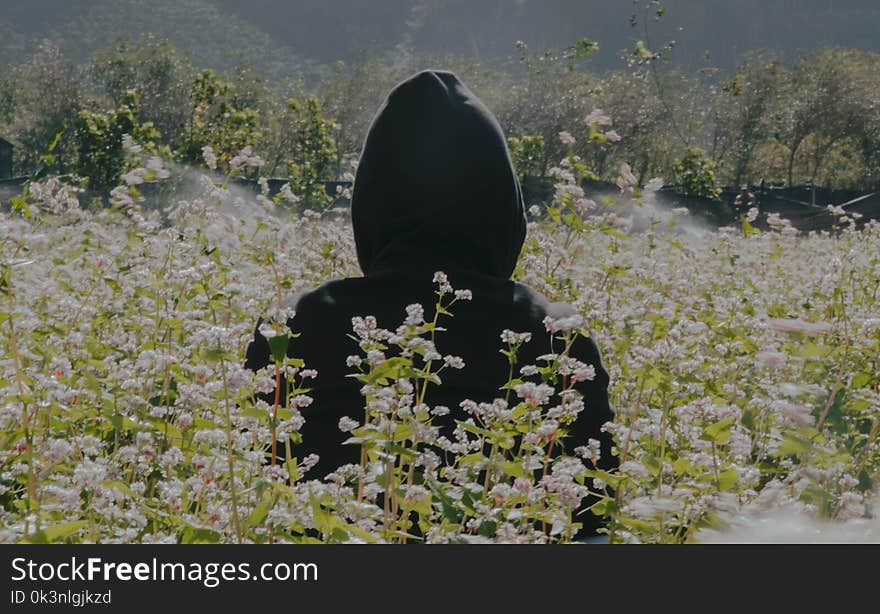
(744,368)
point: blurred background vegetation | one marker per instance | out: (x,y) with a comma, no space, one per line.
(783,92)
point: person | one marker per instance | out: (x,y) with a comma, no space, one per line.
(435,190)
(744,201)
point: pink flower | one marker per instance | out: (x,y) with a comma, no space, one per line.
(522,485)
(797,325)
(566,139)
(626,180)
(612,136)
(796,414)
(597,117)
(771,359)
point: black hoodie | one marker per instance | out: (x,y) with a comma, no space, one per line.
(435,183)
(435,191)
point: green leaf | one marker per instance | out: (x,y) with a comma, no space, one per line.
(476,430)
(748,229)
(652,464)
(278,348)
(402,432)
(793,445)
(604,507)
(193,535)
(92,382)
(19,204)
(681,466)
(514,469)
(471,459)
(812,350)
(748,418)
(726,479)
(55,533)
(292,470)
(861,380)
(718,432)
(214,354)
(391,368)
(261,511)
(254,412)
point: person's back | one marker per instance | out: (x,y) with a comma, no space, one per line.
(435,191)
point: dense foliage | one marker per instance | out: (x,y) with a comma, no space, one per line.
(811,120)
(743,370)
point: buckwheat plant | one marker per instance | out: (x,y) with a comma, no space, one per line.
(743,362)
(495,476)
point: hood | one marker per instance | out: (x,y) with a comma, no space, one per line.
(435,185)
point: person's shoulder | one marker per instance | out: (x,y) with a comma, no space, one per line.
(326,296)
(539,305)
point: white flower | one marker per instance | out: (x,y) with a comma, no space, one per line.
(209,157)
(565,323)
(454,362)
(512,338)
(156,168)
(535,394)
(120,197)
(246,157)
(415,315)
(752,214)
(591,451)
(654,184)
(130,145)
(346,424)
(442,282)
(134,177)
(795,413)
(286,194)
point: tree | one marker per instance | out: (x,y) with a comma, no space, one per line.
(45,96)
(99,137)
(352,97)
(694,174)
(527,154)
(743,112)
(818,107)
(551,97)
(154,68)
(214,121)
(313,155)
(631,101)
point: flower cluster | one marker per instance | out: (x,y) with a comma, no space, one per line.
(743,368)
